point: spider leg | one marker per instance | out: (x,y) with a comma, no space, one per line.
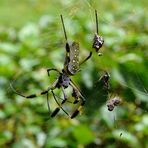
(60,105)
(29,96)
(35,95)
(76,112)
(54,113)
(97,26)
(52,69)
(74,86)
(88,57)
(48,103)
(63,99)
(65,96)
(75,94)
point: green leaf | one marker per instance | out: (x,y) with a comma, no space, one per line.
(83,134)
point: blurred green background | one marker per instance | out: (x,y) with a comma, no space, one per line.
(31,40)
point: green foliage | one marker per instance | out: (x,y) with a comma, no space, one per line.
(31,40)
(85,132)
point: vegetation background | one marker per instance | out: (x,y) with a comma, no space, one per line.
(31,40)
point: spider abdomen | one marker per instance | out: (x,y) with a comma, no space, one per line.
(73,65)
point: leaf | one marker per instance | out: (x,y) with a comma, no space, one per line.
(83,134)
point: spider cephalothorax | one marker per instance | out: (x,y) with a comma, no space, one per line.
(63,80)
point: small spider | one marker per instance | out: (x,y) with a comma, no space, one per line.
(113,102)
(105,79)
(98,41)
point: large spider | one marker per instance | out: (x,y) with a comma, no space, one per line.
(71,67)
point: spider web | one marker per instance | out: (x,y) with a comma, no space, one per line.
(50,38)
(69,12)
